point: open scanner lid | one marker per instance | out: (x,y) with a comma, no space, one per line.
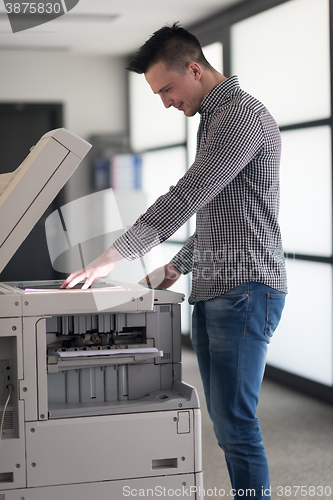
(26,193)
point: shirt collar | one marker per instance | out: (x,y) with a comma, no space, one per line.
(218,94)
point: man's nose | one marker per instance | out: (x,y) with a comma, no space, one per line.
(166,101)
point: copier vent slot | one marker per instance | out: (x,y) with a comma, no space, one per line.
(8,422)
(164,309)
(8,386)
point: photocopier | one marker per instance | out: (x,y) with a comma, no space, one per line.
(92,402)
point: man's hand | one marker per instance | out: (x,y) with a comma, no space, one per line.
(97,269)
(162,277)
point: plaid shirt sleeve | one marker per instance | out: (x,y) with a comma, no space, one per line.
(184,258)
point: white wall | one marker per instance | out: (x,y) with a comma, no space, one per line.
(91,88)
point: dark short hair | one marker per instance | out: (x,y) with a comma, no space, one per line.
(173,45)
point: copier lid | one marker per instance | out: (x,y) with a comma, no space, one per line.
(26,193)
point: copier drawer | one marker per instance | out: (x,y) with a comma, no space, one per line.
(111,447)
(187,486)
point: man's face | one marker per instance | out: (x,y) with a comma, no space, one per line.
(182,91)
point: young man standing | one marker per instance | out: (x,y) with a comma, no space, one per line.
(235,256)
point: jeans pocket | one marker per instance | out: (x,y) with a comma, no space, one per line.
(274,307)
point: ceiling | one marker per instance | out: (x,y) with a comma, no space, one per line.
(109,27)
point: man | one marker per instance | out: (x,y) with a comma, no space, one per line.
(235,256)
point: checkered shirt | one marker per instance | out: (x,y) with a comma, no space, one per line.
(233,187)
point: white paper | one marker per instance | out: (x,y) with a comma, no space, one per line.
(108,352)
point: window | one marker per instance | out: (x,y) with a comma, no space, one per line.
(282,56)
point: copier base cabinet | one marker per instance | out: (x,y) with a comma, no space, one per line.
(96,406)
(180,486)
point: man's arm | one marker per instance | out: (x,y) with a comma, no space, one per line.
(229,147)
(181,263)
(162,277)
(183,260)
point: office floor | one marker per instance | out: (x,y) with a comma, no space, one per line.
(298,436)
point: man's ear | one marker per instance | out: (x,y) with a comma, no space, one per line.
(195,70)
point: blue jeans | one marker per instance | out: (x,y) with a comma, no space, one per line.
(230,337)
